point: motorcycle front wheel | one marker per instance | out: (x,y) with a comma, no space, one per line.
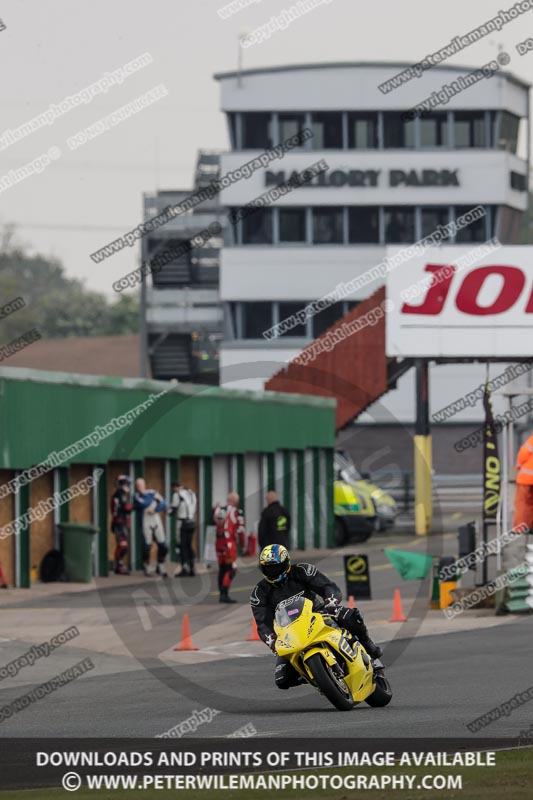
(382,694)
(333,687)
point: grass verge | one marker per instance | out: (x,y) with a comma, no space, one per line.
(511,778)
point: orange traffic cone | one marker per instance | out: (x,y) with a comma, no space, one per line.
(351,602)
(254,636)
(397,610)
(186,640)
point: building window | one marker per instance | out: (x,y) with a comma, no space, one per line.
(257,227)
(508,132)
(363,225)
(397,131)
(326,318)
(256,130)
(232,125)
(327,131)
(351,304)
(518,181)
(399,224)
(475,232)
(327,225)
(434,130)
(492,127)
(492,211)
(287,310)
(469,129)
(432,218)
(290,125)
(292,225)
(232,229)
(230,320)
(362,131)
(256,318)
(510,224)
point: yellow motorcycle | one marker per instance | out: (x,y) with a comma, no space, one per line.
(327,656)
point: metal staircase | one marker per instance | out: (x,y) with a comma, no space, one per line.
(183,317)
(356,371)
(170,356)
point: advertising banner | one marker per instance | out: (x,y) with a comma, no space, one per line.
(357,574)
(491,463)
(460,301)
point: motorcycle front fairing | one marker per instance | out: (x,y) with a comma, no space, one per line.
(302,632)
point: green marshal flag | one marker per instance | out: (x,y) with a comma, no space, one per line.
(411,566)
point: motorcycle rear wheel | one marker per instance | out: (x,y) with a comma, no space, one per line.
(329,685)
(382,694)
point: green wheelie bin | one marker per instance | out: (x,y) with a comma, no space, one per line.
(77,545)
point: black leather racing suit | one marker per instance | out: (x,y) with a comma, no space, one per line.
(315,586)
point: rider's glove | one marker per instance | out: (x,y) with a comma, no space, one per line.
(349,616)
(331,606)
(270,641)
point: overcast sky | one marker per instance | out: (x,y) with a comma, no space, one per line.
(52,49)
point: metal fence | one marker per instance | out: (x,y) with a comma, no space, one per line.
(450,492)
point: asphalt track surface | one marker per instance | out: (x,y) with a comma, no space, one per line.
(440,682)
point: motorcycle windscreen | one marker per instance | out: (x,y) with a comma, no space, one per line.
(286,614)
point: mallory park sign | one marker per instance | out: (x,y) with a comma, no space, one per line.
(371,177)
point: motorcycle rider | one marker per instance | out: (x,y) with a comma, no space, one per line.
(121,507)
(282,580)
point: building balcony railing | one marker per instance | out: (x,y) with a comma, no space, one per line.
(184,318)
(182,296)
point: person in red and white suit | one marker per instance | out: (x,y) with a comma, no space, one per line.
(230,529)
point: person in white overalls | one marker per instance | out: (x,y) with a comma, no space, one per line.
(148,503)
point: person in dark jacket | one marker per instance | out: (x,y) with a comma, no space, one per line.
(275,523)
(282,580)
(121,507)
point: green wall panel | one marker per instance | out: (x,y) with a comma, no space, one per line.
(23,541)
(316,498)
(64,508)
(241,482)
(59,409)
(287,489)
(300,498)
(173,521)
(271,472)
(101,521)
(138,472)
(329,497)
(206,500)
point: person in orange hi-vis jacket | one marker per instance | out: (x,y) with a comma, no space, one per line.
(523,504)
(230,529)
